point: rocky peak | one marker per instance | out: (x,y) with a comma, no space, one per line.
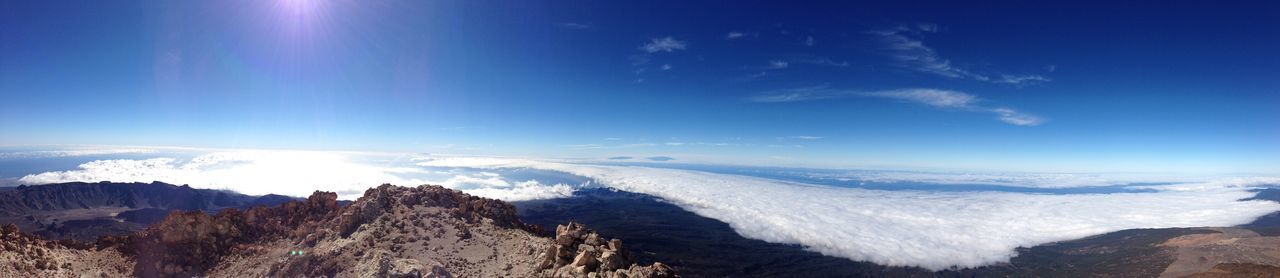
(581,252)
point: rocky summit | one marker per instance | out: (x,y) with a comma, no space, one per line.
(392,231)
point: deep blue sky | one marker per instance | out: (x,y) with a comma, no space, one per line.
(1167,86)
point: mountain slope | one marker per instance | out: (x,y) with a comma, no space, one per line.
(389,232)
(86,211)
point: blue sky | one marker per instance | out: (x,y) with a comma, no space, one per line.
(1152,87)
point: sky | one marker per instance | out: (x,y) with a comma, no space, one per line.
(1173,86)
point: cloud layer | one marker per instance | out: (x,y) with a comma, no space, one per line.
(935,230)
(296,173)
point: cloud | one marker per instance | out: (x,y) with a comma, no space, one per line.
(664,44)
(927,27)
(808,41)
(799,94)
(1021,79)
(804,137)
(575,26)
(735,35)
(526,190)
(297,173)
(930,229)
(666,67)
(930,97)
(620,158)
(660,158)
(777,64)
(1017,118)
(783,63)
(815,60)
(911,53)
(612,139)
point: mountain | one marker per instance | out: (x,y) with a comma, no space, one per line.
(425,231)
(85,211)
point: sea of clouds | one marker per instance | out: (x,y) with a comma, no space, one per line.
(931,229)
(298,173)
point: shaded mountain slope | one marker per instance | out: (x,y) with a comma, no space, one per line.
(86,211)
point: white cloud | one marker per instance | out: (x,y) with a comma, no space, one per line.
(526,190)
(1017,118)
(576,26)
(911,53)
(804,137)
(778,64)
(469,181)
(927,27)
(816,60)
(294,173)
(809,41)
(664,44)
(799,94)
(734,35)
(1021,79)
(935,230)
(666,67)
(931,97)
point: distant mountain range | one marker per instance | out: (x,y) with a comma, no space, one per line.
(86,211)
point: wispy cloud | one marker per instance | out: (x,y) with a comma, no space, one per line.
(938,98)
(788,61)
(1021,79)
(612,146)
(930,97)
(908,51)
(803,137)
(734,35)
(777,64)
(664,44)
(809,41)
(654,46)
(800,94)
(575,25)
(815,60)
(1014,117)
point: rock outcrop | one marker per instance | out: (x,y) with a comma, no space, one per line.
(26,255)
(580,252)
